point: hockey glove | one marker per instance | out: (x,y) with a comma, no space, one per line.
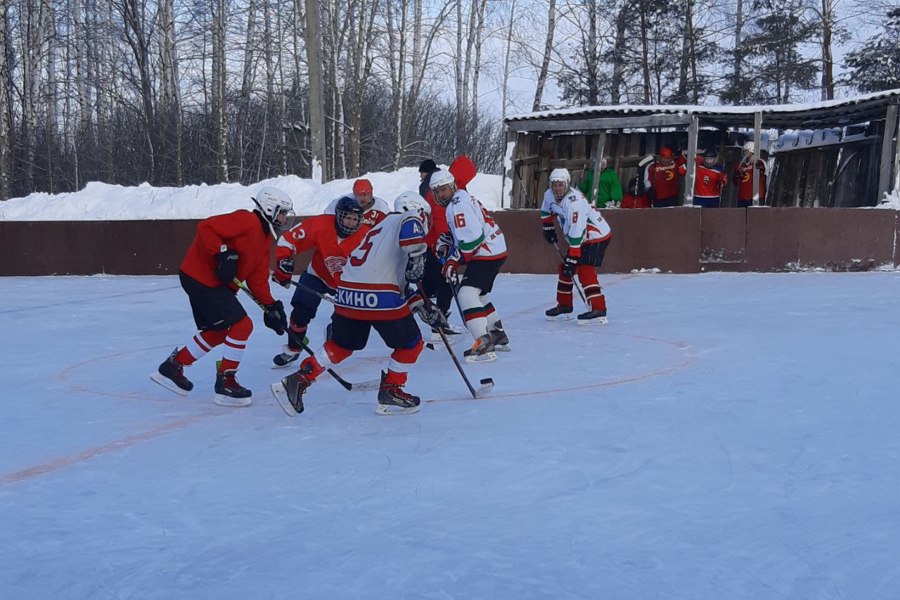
(226,265)
(444,246)
(569,264)
(274,317)
(449,270)
(431,315)
(283,272)
(550,233)
(415,268)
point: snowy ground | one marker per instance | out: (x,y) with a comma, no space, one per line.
(726,436)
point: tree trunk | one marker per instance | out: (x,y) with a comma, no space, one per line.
(247,82)
(169,102)
(828,18)
(219,97)
(316,92)
(5,113)
(738,65)
(621,44)
(545,64)
(506,59)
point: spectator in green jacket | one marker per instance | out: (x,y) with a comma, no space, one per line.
(609,188)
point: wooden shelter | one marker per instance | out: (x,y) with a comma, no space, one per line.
(578,138)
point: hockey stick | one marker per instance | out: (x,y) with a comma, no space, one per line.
(309,290)
(294,340)
(574,283)
(486,384)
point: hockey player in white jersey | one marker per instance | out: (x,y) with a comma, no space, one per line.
(476,240)
(375,292)
(588,234)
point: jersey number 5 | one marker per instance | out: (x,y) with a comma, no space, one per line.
(365,248)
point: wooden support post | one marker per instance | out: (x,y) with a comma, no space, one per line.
(598,158)
(757,154)
(890,156)
(693,131)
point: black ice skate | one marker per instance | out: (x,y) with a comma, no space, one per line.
(593,317)
(482,350)
(498,336)
(393,400)
(171,376)
(229,392)
(288,356)
(289,391)
(559,313)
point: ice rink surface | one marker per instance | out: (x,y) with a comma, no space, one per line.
(726,436)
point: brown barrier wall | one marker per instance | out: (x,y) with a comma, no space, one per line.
(678,240)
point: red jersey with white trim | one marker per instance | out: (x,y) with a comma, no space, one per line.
(743,178)
(580,222)
(709,181)
(242,231)
(663,179)
(330,255)
(475,232)
(373,286)
(371,217)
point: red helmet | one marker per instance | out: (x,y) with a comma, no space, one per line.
(362,186)
(665,152)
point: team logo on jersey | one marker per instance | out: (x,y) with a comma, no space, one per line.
(335,264)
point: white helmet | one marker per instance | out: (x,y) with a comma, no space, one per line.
(276,206)
(441,178)
(750,147)
(560,175)
(413,202)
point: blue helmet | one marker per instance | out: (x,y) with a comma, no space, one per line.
(345,207)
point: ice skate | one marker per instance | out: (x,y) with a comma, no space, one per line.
(289,391)
(593,317)
(481,351)
(393,400)
(229,392)
(559,313)
(499,338)
(171,376)
(285,359)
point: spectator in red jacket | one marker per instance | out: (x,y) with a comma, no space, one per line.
(228,248)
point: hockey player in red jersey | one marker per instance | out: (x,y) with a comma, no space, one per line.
(709,180)
(331,237)
(588,234)
(374,292)
(743,177)
(662,179)
(233,246)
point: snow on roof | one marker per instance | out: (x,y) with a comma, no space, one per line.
(828,113)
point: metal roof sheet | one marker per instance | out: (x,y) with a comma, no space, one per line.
(829,113)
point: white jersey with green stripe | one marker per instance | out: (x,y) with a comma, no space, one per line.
(580,222)
(476,234)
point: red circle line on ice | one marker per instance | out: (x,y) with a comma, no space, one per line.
(164,428)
